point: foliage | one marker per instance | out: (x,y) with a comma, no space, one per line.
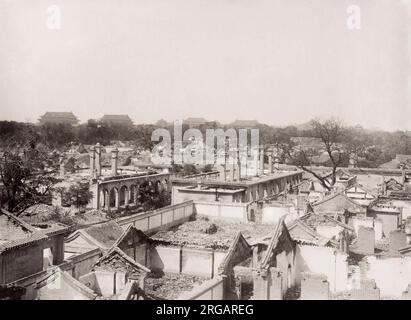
(78,195)
(26,177)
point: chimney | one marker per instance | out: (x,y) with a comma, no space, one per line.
(62,166)
(92,161)
(114,161)
(261,165)
(222,173)
(98,160)
(232,176)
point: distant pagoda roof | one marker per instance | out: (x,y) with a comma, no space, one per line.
(245,123)
(117,118)
(58,117)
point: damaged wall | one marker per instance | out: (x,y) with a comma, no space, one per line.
(322,260)
(398,269)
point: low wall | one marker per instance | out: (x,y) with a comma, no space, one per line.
(81,264)
(163,218)
(201,262)
(210,290)
(222,210)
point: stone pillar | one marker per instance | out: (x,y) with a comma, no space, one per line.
(114,161)
(98,160)
(270,163)
(117,199)
(126,196)
(92,161)
(261,165)
(62,167)
(136,189)
(107,201)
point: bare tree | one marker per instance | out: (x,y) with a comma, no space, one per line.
(331,132)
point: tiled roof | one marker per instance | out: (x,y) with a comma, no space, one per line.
(310,235)
(116,117)
(107,261)
(14,232)
(102,235)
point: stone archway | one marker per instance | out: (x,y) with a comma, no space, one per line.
(123,196)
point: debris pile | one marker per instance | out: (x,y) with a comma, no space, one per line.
(170,285)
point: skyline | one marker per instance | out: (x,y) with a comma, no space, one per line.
(271,61)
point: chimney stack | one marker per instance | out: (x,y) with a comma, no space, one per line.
(92,161)
(222,173)
(114,161)
(98,160)
(261,166)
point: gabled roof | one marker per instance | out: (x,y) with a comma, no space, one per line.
(314,219)
(361,187)
(278,231)
(131,228)
(102,235)
(302,233)
(116,258)
(333,196)
(238,242)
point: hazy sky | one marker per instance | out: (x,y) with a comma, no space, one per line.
(279,62)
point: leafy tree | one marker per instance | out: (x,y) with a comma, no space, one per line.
(79,194)
(26,179)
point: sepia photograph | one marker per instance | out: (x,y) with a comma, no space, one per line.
(226,151)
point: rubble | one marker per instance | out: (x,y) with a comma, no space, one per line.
(170,285)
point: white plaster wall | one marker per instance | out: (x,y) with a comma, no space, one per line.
(322,260)
(274,214)
(392,275)
(197,262)
(165,258)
